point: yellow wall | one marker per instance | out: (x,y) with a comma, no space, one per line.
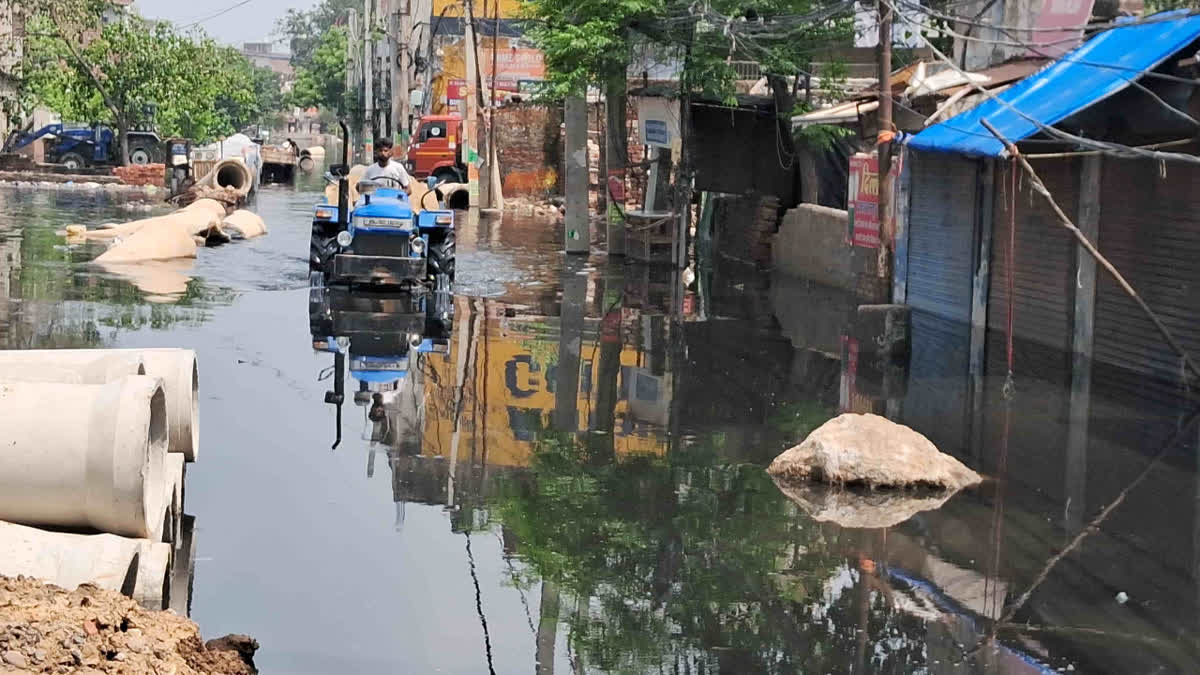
(491,395)
(509,9)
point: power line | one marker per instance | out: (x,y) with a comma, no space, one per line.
(223,12)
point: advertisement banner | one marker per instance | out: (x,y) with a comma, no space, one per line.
(863,206)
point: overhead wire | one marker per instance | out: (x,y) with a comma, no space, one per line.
(223,12)
(1115,149)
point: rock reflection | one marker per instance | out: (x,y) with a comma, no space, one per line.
(861,508)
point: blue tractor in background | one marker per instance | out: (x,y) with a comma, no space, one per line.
(378,242)
(79,146)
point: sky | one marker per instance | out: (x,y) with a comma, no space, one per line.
(245,20)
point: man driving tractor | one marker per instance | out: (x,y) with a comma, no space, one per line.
(393,172)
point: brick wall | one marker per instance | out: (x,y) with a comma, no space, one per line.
(744,227)
(529,143)
(146,174)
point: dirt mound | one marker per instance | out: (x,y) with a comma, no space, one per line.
(44,629)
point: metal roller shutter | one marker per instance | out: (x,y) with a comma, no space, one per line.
(1148,230)
(1043,288)
(941,259)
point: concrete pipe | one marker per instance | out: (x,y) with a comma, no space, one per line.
(84,456)
(171,501)
(137,568)
(246,223)
(316,151)
(70,367)
(175,236)
(229,173)
(307,163)
(177,369)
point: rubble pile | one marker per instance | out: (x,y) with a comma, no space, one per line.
(45,629)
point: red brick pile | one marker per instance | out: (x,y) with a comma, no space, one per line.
(145,174)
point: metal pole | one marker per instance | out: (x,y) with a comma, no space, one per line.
(368,137)
(471,115)
(577,226)
(616,156)
(353,81)
(883,140)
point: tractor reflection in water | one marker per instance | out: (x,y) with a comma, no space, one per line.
(382,337)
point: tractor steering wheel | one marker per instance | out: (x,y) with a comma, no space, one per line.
(392,179)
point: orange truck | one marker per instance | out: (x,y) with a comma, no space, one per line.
(436,150)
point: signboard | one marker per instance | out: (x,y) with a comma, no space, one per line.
(863,199)
(456,90)
(509,9)
(513,66)
(1059,27)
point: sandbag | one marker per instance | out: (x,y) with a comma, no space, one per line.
(171,237)
(211,205)
(245,223)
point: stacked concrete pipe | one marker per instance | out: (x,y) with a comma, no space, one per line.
(176,367)
(84,448)
(86,456)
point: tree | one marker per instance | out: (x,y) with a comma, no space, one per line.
(306,30)
(89,69)
(322,81)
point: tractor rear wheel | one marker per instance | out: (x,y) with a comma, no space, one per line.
(140,156)
(72,160)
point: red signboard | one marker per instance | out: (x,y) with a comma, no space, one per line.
(456,89)
(864,199)
(1059,27)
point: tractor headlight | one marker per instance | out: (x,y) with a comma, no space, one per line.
(444,219)
(325,214)
(344,238)
(417,244)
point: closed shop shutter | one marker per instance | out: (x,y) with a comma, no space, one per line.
(1149,231)
(941,259)
(1044,268)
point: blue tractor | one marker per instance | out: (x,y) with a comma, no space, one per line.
(78,146)
(378,242)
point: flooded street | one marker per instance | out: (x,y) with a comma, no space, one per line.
(576,482)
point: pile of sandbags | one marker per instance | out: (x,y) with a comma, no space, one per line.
(176,235)
(92,470)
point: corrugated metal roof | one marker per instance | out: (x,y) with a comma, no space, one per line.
(1099,68)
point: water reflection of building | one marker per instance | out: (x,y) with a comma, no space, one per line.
(10,262)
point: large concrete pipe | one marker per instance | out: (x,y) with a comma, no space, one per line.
(172,499)
(176,367)
(246,223)
(84,456)
(71,367)
(229,173)
(138,568)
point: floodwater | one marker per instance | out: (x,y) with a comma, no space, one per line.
(575,483)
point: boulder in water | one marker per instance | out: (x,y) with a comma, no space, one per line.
(871,451)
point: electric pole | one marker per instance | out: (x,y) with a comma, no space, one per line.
(884,136)
(368,137)
(353,74)
(470,150)
(401,20)
(576,224)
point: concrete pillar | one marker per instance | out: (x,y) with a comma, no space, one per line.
(176,367)
(570,344)
(138,568)
(1088,221)
(577,229)
(616,156)
(84,456)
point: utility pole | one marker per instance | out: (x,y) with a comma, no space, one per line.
(495,191)
(616,157)
(368,137)
(353,52)
(883,139)
(577,227)
(470,149)
(401,29)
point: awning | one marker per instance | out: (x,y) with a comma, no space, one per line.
(1099,68)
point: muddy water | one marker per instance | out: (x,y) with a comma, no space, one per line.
(576,484)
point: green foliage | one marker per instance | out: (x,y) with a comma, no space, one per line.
(586,42)
(306,30)
(87,69)
(321,80)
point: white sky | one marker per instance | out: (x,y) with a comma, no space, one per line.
(251,22)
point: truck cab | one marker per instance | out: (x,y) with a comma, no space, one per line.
(436,149)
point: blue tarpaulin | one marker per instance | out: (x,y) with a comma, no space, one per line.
(1097,69)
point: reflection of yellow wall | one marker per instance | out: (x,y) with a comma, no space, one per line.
(509,9)
(510,377)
